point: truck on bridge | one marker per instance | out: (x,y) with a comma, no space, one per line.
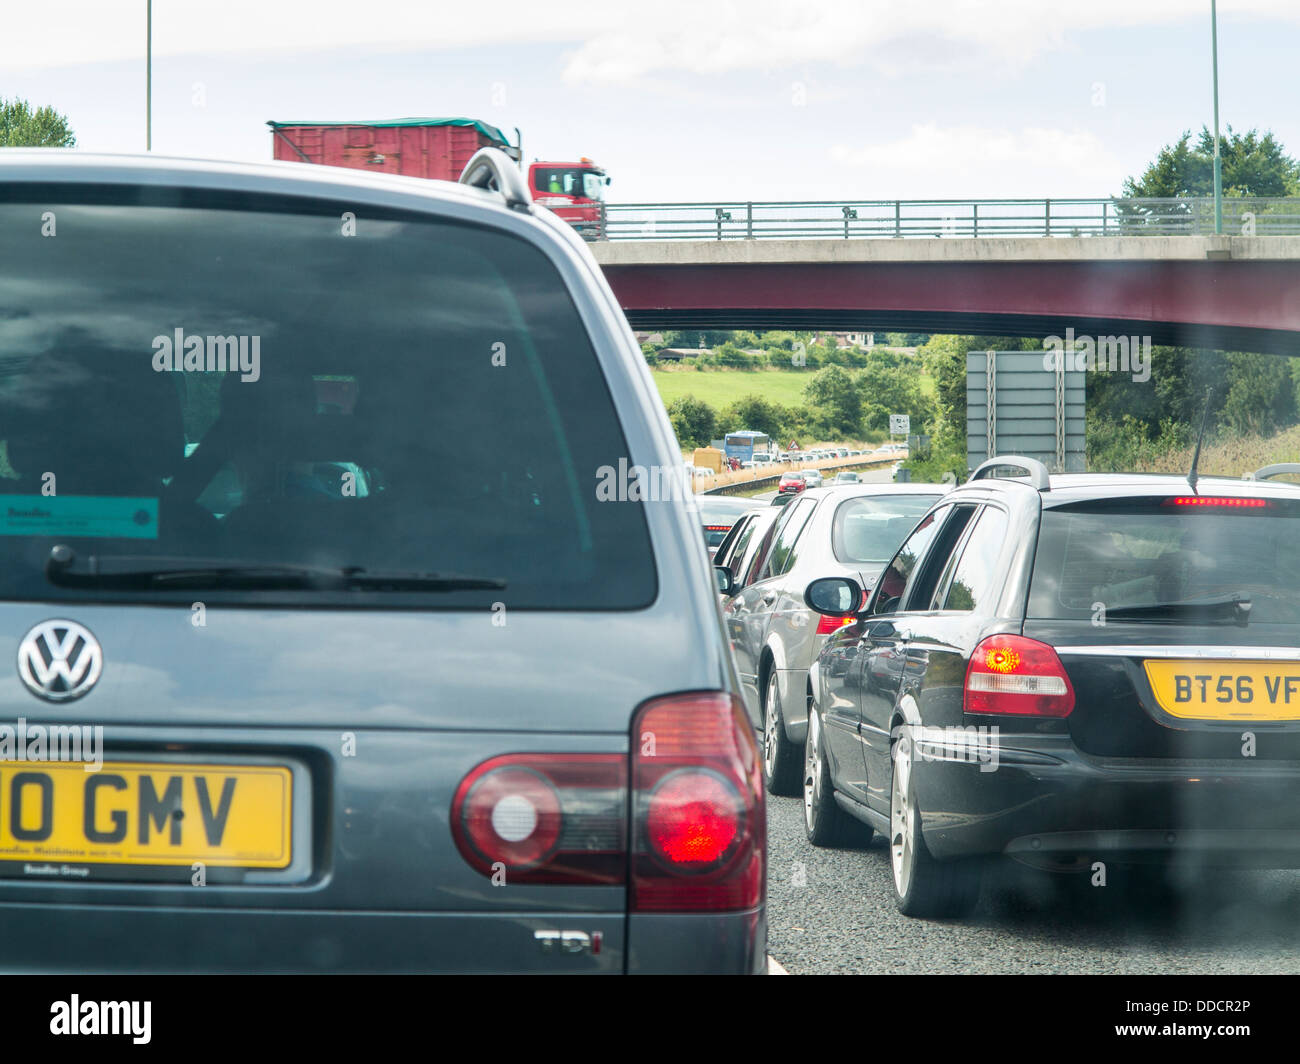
(439,148)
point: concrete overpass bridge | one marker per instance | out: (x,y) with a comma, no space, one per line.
(1031,270)
(1228,292)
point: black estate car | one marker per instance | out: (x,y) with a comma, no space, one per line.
(1067,670)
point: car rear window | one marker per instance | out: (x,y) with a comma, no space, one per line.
(718,514)
(1165,553)
(869,529)
(291,383)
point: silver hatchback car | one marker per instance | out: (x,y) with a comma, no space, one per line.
(271,715)
(848,531)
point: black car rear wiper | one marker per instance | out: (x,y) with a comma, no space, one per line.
(124,572)
(1232,608)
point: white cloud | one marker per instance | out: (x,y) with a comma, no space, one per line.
(613,42)
(702,37)
(56,33)
(970,161)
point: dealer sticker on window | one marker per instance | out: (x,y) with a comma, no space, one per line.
(98,516)
(1226,690)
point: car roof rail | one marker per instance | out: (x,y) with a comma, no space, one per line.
(1039,479)
(491,168)
(1274,470)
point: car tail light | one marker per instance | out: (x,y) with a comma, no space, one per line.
(699,835)
(1015,674)
(545,818)
(717,528)
(828,624)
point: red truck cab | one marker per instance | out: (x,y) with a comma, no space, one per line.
(574,191)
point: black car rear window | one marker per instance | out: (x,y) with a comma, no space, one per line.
(255,383)
(1150,552)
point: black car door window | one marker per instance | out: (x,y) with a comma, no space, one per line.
(927,572)
(929,594)
(975,578)
(897,574)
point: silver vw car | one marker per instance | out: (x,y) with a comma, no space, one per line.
(832,531)
(281,698)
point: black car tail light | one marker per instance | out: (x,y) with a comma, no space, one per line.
(1017,675)
(699,834)
(545,818)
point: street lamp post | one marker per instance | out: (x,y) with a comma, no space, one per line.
(148,76)
(1218,162)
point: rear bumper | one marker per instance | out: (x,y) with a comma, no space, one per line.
(120,939)
(1042,801)
(724,944)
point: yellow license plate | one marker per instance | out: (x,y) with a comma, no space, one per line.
(1226,690)
(146,813)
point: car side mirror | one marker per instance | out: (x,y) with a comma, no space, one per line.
(833,596)
(723,580)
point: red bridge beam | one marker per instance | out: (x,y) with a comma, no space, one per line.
(1232,304)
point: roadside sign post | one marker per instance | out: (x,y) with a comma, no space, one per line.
(900,424)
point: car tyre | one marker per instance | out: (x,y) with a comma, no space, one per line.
(825,823)
(781,760)
(923,886)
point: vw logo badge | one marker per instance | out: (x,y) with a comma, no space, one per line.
(59,660)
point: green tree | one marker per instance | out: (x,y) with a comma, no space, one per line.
(944,358)
(22,127)
(755,412)
(694,421)
(833,392)
(905,339)
(889,390)
(1260,399)
(1253,165)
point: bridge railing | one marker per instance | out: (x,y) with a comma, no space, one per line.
(853,219)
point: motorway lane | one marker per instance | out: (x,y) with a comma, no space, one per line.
(832,911)
(869,476)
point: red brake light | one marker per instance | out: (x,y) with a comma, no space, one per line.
(1014,674)
(1217,502)
(544,818)
(693,818)
(698,816)
(827,624)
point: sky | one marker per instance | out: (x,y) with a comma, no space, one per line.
(688,100)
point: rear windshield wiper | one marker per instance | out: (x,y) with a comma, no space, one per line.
(124,572)
(1232,608)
